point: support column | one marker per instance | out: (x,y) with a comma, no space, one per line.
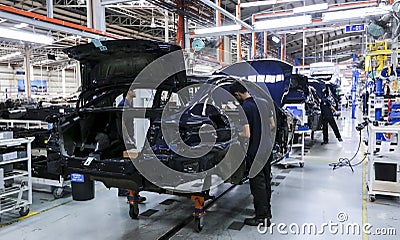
(89,13)
(304,48)
(355,75)
(265,44)
(99,16)
(283,47)
(96,15)
(238,36)
(49,8)
(180,30)
(166,30)
(323,47)
(227,50)
(63,82)
(395,46)
(78,73)
(220,50)
(253,40)
(27,65)
(187,37)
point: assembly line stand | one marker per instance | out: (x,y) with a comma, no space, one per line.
(296,158)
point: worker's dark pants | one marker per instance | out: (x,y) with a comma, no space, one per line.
(365,107)
(334,127)
(260,187)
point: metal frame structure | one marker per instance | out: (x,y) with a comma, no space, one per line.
(12,197)
(374,185)
(160,20)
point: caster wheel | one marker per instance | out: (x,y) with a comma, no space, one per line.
(134,211)
(198,223)
(23,211)
(372,198)
(58,193)
(301,164)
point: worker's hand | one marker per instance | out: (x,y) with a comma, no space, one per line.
(336,113)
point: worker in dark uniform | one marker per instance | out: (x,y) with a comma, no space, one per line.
(365,98)
(253,128)
(128,127)
(327,117)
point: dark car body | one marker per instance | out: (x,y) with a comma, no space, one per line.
(304,91)
(92,141)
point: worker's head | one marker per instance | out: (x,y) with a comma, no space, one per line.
(239,91)
(324,93)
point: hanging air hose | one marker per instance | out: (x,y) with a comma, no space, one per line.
(345,162)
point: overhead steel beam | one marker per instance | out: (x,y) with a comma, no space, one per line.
(53,24)
(226,13)
(108,2)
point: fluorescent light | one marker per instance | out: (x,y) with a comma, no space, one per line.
(353,14)
(9,56)
(153,24)
(275,39)
(265,3)
(21,25)
(25,36)
(226,28)
(311,8)
(257,3)
(282,22)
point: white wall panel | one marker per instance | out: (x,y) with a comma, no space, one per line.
(9,82)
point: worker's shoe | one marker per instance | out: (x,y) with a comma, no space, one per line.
(141,199)
(257,221)
(340,139)
(324,142)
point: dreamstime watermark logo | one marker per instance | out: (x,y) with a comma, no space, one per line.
(201,120)
(339,227)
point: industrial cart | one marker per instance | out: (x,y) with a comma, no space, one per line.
(383,161)
(56,187)
(296,158)
(13,183)
(39,183)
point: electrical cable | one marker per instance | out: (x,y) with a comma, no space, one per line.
(345,162)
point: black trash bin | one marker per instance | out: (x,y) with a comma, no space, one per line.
(82,187)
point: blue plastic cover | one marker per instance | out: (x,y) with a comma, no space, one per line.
(264,67)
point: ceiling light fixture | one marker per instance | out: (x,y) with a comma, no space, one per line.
(353,14)
(21,25)
(305,42)
(275,39)
(25,36)
(265,3)
(9,56)
(311,8)
(226,28)
(153,24)
(282,22)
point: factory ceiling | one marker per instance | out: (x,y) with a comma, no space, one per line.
(319,40)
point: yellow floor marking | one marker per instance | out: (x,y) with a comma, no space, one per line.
(364,194)
(29,215)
